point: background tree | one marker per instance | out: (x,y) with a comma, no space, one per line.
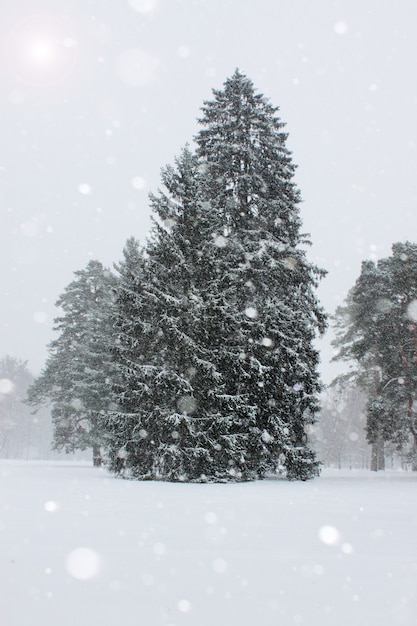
(356,339)
(79,373)
(340,432)
(220,365)
(380,333)
(20,435)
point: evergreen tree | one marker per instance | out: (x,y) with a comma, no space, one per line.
(356,340)
(219,372)
(128,427)
(15,418)
(381,334)
(22,435)
(79,373)
(249,180)
(173,407)
(340,436)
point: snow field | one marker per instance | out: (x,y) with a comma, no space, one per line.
(79,547)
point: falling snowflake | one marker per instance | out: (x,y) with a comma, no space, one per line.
(340,28)
(184,606)
(83,563)
(84,189)
(266,437)
(412,311)
(143,6)
(329,535)
(50,506)
(40,317)
(220,241)
(251,312)
(219,566)
(6,385)
(347,548)
(183,52)
(383,305)
(138,182)
(159,548)
(187,405)
(210,517)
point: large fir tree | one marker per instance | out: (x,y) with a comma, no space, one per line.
(249,179)
(129,427)
(220,374)
(175,420)
(79,373)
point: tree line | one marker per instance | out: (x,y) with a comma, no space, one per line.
(193,359)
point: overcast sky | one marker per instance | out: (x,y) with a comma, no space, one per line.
(97,95)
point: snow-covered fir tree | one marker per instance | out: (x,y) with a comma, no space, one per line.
(175,421)
(356,342)
(249,180)
(128,428)
(79,373)
(378,329)
(220,374)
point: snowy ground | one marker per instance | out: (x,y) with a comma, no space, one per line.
(79,547)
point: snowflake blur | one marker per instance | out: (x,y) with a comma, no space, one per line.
(41,50)
(83,563)
(146,7)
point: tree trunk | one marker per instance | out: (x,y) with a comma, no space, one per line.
(414,452)
(374,457)
(378,455)
(97,460)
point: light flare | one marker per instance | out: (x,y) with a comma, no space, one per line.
(41,50)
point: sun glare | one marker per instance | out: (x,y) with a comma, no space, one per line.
(41,50)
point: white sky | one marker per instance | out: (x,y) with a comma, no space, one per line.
(98,95)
